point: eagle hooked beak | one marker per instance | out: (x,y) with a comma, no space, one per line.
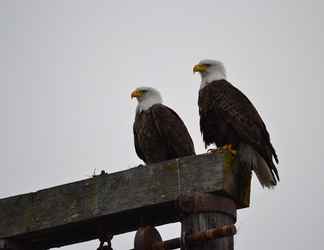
(136,93)
(199,68)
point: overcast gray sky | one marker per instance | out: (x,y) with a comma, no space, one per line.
(68,67)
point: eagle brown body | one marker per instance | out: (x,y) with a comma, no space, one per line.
(228,117)
(160,134)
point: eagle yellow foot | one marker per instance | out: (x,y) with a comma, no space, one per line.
(230,148)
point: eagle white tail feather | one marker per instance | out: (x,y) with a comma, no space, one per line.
(252,159)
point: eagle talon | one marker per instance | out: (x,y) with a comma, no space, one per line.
(226,147)
(230,148)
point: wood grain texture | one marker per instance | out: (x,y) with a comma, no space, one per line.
(118,202)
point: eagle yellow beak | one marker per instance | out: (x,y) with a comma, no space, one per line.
(136,93)
(199,68)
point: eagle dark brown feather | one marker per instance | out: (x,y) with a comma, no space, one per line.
(228,117)
(160,134)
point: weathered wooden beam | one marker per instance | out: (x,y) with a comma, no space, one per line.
(118,202)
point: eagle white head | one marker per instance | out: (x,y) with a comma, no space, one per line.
(210,70)
(146,97)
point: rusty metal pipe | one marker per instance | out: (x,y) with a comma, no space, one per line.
(214,233)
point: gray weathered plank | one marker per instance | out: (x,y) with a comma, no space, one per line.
(117,202)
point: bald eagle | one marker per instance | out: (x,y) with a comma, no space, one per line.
(159,133)
(228,119)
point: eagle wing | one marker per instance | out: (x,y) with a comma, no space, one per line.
(137,147)
(173,130)
(237,111)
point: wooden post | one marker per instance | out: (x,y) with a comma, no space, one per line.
(203,211)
